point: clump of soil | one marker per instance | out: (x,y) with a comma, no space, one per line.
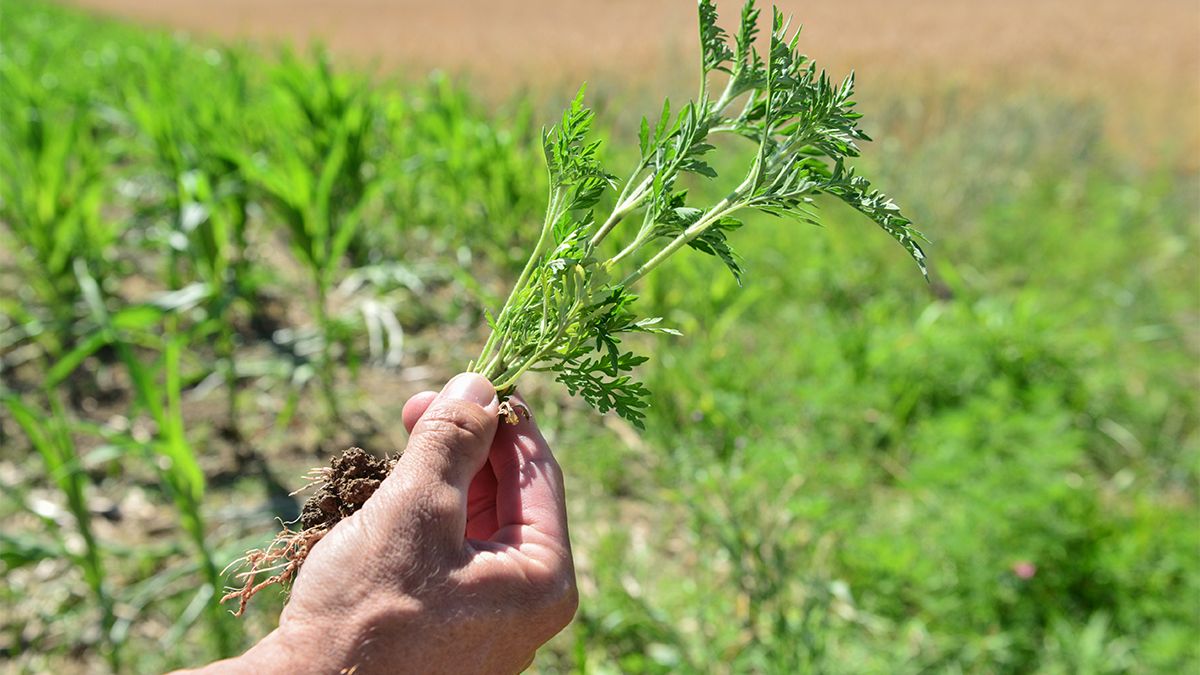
(350,479)
(342,488)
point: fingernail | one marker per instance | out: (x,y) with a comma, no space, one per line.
(471,387)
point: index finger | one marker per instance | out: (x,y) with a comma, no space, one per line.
(531,510)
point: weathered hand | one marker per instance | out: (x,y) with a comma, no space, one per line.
(459,563)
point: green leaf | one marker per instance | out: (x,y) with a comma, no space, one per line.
(567,312)
(644,139)
(66,365)
(20,549)
(714,242)
(138,317)
(714,45)
(857,192)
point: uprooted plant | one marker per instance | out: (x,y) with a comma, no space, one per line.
(572,303)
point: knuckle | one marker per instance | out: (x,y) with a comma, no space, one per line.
(434,503)
(559,598)
(567,605)
(422,538)
(443,502)
(453,423)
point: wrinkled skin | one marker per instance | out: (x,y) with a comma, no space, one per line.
(460,562)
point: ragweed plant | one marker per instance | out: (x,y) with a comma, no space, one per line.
(571,304)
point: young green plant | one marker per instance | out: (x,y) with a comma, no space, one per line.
(158,392)
(571,304)
(50,435)
(200,201)
(50,202)
(316,172)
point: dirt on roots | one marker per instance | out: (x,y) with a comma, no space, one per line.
(345,486)
(342,488)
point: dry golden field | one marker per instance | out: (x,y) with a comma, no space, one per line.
(1096,45)
(1142,60)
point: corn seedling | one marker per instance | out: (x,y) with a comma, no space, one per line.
(50,436)
(317,174)
(158,394)
(51,199)
(463,176)
(203,198)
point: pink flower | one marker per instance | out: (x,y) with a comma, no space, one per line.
(1024,569)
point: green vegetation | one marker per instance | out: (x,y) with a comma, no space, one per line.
(844,469)
(567,312)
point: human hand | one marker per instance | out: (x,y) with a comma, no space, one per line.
(460,562)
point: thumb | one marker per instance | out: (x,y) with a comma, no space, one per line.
(426,493)
(451,440)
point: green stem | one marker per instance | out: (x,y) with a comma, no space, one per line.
(74,483)
(325,368)
(230,372)
(723,208)
(495,363)
(187,492)
(625,204)
(552,215)
(508,379)
(642,237)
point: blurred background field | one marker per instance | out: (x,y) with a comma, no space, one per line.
(222,261)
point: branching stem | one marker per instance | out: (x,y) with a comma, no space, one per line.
(567,311)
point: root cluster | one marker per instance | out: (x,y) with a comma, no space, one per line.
(281,560)
(342,488)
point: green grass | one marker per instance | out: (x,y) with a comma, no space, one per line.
(843,469)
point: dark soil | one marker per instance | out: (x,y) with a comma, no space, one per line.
(350,480)
(344,486)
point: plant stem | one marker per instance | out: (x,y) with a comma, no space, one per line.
(186,479)
(638,241)
(625,204)
(325,368)
(552,214)
(728,205)
(508,378)
(496,363)
(74,480)
(230,372)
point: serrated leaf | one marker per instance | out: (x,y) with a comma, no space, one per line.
(714,45)
(714,242)
(568,312)
(644,138)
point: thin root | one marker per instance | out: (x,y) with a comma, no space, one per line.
(315,477)
(285,554)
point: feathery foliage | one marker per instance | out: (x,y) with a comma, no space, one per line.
(571,305)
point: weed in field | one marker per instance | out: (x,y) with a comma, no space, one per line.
(567,312)
(998,476)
